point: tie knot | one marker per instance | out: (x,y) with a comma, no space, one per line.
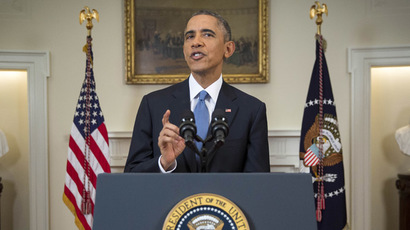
(202,95)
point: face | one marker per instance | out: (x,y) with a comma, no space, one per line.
(204,46)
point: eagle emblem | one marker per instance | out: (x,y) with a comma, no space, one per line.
(332,147)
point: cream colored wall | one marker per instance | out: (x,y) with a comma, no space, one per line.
(390,110)
(53,25)
(14,165)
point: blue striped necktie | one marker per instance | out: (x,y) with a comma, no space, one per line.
(201,117)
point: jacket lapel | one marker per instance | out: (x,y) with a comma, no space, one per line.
(226,103)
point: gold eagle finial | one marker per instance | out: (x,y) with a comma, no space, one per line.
(318,10)
(88,15)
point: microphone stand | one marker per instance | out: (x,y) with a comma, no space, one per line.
(203,153)
(203,157)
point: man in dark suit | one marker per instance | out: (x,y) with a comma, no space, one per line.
(156,145)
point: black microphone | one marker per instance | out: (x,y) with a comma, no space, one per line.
(187,129)
(219,127)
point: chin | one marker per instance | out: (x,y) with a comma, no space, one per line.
(197,69)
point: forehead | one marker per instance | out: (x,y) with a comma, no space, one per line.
(200,22)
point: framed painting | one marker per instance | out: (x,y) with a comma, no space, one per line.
(154,39)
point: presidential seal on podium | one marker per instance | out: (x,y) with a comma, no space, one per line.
(205,211)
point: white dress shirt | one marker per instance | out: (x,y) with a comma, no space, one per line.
(213,91)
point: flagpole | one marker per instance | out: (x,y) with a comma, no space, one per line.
(317,10)
(320,145)
(88,15)
(88,147)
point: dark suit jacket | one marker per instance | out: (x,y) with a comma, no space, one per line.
(246,146)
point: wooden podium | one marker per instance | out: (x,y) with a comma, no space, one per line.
(403,185)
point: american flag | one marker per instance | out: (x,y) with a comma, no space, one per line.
(88,153)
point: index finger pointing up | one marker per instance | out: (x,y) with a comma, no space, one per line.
(165,118)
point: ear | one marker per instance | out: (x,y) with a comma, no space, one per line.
(229,49)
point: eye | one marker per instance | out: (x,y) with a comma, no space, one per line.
(208,35)
(188,36)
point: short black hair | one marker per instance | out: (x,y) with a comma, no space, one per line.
(221,22)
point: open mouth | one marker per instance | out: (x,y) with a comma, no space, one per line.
(197,55)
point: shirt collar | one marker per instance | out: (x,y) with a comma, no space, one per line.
(212,90)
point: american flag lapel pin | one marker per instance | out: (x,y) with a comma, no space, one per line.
(228,110)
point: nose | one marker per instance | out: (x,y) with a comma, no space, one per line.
(197,42)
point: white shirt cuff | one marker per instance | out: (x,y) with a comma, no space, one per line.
(162,169)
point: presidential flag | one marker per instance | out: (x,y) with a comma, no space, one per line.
(321,148)
(88,153)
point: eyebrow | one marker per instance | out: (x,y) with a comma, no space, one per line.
(202,31)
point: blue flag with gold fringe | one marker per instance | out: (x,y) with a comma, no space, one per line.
(321,148)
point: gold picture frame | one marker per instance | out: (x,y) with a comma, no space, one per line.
(154,29)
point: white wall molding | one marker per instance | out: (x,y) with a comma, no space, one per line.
(360,61)
(283,147)
(36,63)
